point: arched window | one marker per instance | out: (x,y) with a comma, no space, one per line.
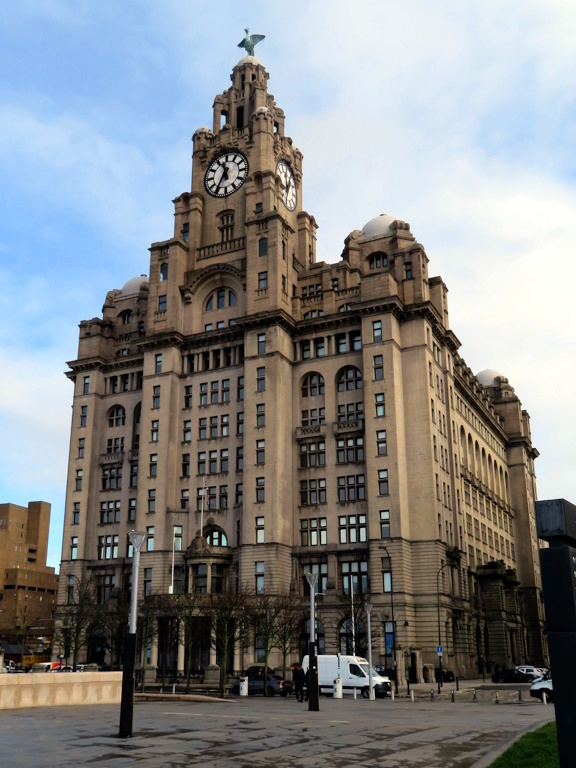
(116,416)
(349,378)
(163,272)
(378,260)
(345,308)
(313,385)
(216,538)
(313,313)
(263,246)
(126,317)
(220,299)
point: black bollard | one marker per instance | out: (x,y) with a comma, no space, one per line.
(457,684)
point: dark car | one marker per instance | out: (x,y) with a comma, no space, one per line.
(274,685)
(447,675)
(512,676)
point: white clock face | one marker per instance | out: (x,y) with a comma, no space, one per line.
(226,174)
(290,196)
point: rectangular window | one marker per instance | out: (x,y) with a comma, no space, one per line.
(111,478)
(350,449)
(214,390)
(352,529)
(312,492)
(386,575)
(259,530)
(153,465)
(378,367)
(321,571)
(262,280)
(154,432)
(260,379)
(240,423)
(260,451)
(185,499)
(259,578)
(355,577)
(150,539)
(131,510)
(156,396)
(212,462)
(188,396)
(202,430)
(225,425)
(187,432)
(313,532)
(383,482)
(350,411)
(204,393)
(261,343)
(76,513)
(377,330)
(341,343)
(355,341)
(86,385)
(147,582)
(225,390)
(260,488)
(224,460)
(213,426)
(151,500)
(81,444)
(185,465)
(319,348)
(74,548)
(107,547)
(313,454)
(381,444)
(380,404)
(83,415)
(385,523)
(351,488)
(133,474)
(239,495)
(313,417)
(158,363)
(223,497)
(162,303)
(240,388)
(109,512)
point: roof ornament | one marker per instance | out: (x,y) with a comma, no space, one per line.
(250,41)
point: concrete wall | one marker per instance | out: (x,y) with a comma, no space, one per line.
(59,689)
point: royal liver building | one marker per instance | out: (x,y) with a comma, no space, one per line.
(262,415)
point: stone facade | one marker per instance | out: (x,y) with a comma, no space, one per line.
(325,406)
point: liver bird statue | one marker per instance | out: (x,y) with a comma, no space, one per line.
(250,41)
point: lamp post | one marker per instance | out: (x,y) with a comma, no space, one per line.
(439,649)
(368,607)
(313,698)
(385,549)
(137,540)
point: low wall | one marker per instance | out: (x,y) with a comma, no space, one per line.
(57,689)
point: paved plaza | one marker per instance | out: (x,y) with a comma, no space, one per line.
(278,733)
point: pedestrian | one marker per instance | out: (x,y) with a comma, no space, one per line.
(299,680)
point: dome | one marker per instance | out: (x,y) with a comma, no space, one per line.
(133,286)
(379,226)
(261,111)
(250,60)
(203,129)
(488,377)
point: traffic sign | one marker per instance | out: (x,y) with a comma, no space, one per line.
(439,650)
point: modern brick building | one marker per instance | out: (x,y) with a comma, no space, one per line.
(325,406)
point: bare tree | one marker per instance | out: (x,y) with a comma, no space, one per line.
(149,611)
(115,618)
(226,611)
(77,620)
(289,620)
(188,612)
(264,615)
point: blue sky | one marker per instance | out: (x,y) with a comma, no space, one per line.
(456,117)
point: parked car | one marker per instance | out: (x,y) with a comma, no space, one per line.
(274,685)
(447,675)
(512,676)
(541,686)
(536,672)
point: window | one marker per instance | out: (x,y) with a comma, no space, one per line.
(213,426)
(84,415)
(224,425)
(212,462)
(153,465)
(109,512)
(378,367)
(263,246)
(260,415)
(134,474)
(76,513)
(380,404)
(202,430)
(383,482)
(220,298)
(259,578)
(156,396)
(386,575)
(260,379)
(261,343)
(154,431)
(239,459)
(115,445)
(321,571)
(150,538)
(319,348)
(352,529)
(260,488)
(81,444)
(313,532)
(259,530)
(381,444)
(262,280)
(224,460)
(313,385)
(355,577)
(117,416)
(187,431)
(74,548)
(162,303)
(240,388)
(313,417)
(240,423)
(335,284)
(111,478)
(305,352)
(355,341)
(223,500)
(225,390)
(378,260)
(341,343)
(313,454)
(349,379)
(184,499)
(385,523)
(312,492)
(151,500)
(216,538)
(408,270)
(188,396)
(351,488)
(350,449)
(227,227)
(239,495)
(86,385)
(260,451)
(105,583)
(214,391)
(131,510)
(350,412)
(107,547)
(204,393)
(185,234)
(377,330)
(147,582)
(158,363)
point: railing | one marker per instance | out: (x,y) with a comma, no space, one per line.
(217,249)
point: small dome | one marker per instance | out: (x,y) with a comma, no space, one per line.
(488,377)
(261,111)
(379,226)
(202,129)
(132,287)
(250,60)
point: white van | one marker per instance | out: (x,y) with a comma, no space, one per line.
(354,673)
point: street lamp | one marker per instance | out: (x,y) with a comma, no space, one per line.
(313,698)
(393,621)
(368,607)
(137,540)
(439,649)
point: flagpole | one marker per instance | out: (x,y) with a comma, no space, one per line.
(171,590)
(202,506)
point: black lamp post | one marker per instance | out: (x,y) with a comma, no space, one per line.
(137,540)
(313,697)
(440,649)
(393,622)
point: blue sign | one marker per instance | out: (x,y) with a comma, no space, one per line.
(439,650)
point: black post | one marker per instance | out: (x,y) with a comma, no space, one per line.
(127,702)
(313,694)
